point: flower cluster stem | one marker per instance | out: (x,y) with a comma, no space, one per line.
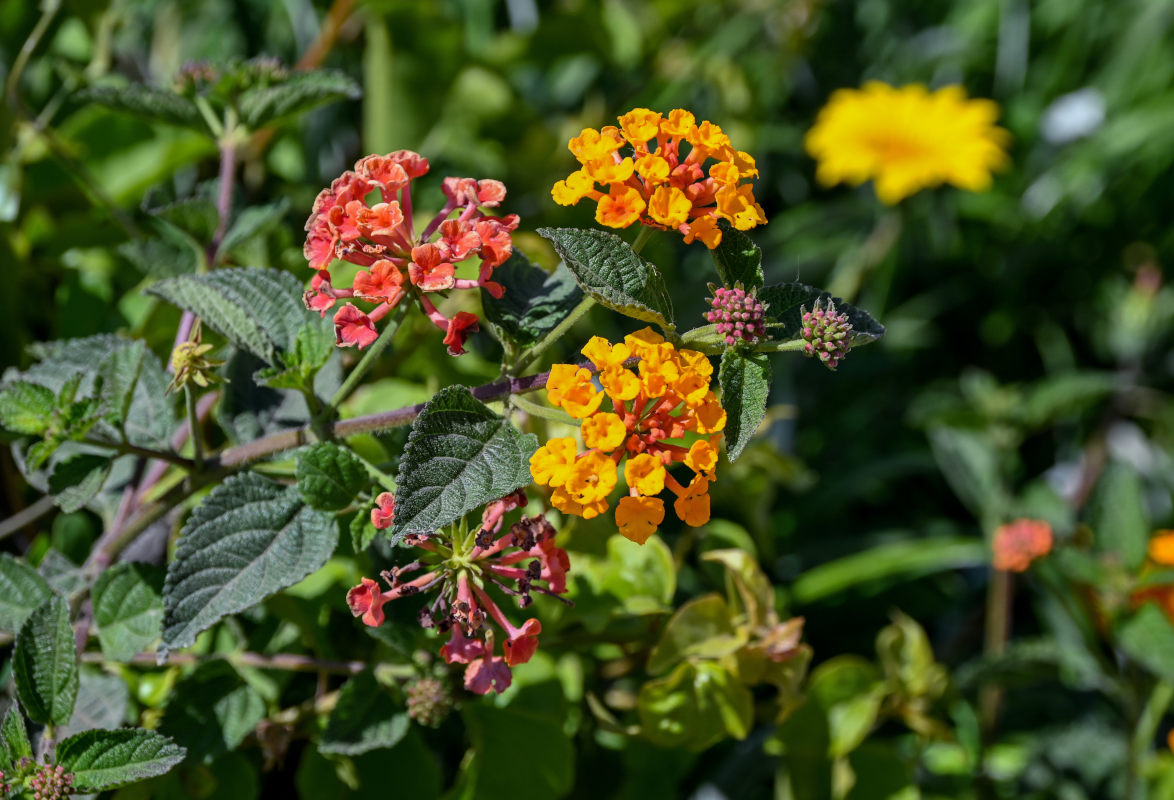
(530,356)
(369,358)
(194,427)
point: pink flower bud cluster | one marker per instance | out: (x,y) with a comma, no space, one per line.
(462,570)
(827,333)
(429,701)
(51,783)
(738,314)
(379,236)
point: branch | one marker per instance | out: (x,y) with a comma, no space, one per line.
(282,661)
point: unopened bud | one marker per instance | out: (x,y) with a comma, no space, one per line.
(827,334)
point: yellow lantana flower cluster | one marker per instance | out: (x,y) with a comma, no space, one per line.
(652,412)
(658,185)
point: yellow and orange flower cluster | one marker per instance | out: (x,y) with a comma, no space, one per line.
(654,413)
(661,186)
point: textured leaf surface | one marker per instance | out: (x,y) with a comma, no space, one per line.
(785,301)
(105,759)
(45,664)
(147,102)
(745,382)
(21,590)
(1118,517)
(535,301)
(102,701)
(167,252)
(366,718)
(25,407)
(211,711)
(252,222)
(259,310)
(295,94)
(16,736)
(737,258)
(128,609)
(78,479)
(608,270)
(330,476)
(459,456)
(248,539)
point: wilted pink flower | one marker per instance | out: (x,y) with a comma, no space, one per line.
(383,515)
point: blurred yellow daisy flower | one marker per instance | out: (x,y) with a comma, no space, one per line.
(907,139)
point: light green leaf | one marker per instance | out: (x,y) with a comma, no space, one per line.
(970,464)
(738,258)
(785,302)
(45,664)
(362,532)
(365,719)
(102,702)
(211,711)
(906,658)
(1118,517)
(534,302)
(259,310)
(695,706)
(119,374)
(497,736)
(295,94)
(252,222)
(102,760)
(165,252)
(1148,638)
(459,456)
(78,479)
(21,590)
(147,102)
(849,690)
(15,736)
(608,270)
(745,382)
(128,609)
(700,629)
(750,593)
(329,476)
(25,408)
(248,539)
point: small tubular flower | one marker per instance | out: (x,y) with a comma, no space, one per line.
(383,515)
(907,139)
(1019,543)
(656,416)
(465,568)
(379,235)
(652,170)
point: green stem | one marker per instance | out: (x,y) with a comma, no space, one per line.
(1143,733)
(530,356)
(128,449)
(12,85)
(642,239)
(194,428)
(535,410)
(998,630)
(789,346)
(368,359)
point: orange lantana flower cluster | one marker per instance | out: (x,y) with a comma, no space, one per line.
(652,412)
(659,185)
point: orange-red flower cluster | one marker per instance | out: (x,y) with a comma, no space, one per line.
(648,179)
(379,236)
(463,568)
(1019,543)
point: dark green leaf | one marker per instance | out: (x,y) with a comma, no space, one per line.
(695,706)
(785,302)
(738,259)
(248,539)
(534,302)
(21,590)
(295,94)
(45,664)
(148,102)
(970,463)
(329,476)
(366,718)
(211,711)
(252,222)
(26,407)
(76,480)
(165,252)
(119,374)
(608,270)
(1148,638)
(1118,517)
(105,759)
(128,609)
(498,735)
(745,382)
(363,533)
(459,456)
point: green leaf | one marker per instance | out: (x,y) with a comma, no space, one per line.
(498,735)
(785,302)
(906,658)
(259,310)
(1117,516)
(362,532)
(737,258)
(248,539)
(102,702)
(970,463)
(21,590)
(119,374)
(147,102)
(78,479)
(101,760)
(366,718)
(45,664)
(167,251)
(128,609)
(745,382)
(695,706)
(1148,638)
(211,711)
(252,222)
(295,94)
(850,691)
(751,596)
(329,476)
(700,629)
(15,736)
(459,456)
(312,348)
(608,270)
(534,302)
(25,408)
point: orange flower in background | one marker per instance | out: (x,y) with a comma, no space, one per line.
(649,179)
(1161,549)
(1019,543)
(652,412)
